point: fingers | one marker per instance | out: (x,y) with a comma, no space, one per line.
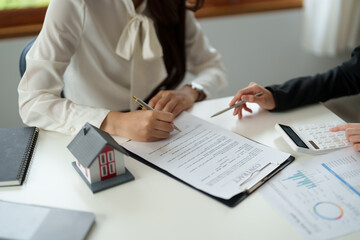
(238,110)
(266,100)
(353,136)
(150,125)
(357,147)
(163,116)
(174,101)
(153,101)
(163,126)
(352,132)
(247,109)
(170,106)
(343,127)
(160,127)
(252,89)
(339,128)
(177,110)
(164,101)
(241,95)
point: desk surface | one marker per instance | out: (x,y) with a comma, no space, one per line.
(155,206)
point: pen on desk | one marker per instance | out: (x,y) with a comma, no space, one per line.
(236,105)
(143,105)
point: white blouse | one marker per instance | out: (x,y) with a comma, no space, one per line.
(100,53)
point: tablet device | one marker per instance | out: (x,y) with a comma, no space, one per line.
(27,221)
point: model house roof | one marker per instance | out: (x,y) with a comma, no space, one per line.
(90,142)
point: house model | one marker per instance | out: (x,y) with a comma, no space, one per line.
(99,159)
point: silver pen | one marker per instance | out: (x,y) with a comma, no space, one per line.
(143,105)
(236,105)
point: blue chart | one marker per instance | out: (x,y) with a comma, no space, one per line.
(352,175)
(302,180)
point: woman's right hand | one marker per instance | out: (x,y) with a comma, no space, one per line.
(144,126)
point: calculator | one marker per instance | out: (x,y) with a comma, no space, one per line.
(313,138)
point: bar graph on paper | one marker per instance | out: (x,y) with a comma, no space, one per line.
(301,180)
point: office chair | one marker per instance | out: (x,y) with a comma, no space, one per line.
(22,60)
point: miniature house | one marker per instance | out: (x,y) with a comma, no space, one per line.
(99,158)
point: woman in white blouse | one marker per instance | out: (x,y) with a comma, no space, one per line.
(100,53)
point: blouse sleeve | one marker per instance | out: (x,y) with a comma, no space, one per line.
(203,61)
(39,90)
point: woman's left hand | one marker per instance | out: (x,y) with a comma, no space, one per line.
(174,101)
(352,132)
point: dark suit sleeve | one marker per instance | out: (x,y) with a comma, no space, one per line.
(343,80)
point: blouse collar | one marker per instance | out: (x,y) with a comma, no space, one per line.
(138,24)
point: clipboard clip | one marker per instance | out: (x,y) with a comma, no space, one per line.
(256,171)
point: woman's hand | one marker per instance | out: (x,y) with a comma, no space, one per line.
(174,101)
(352,132)
(266,100)
(139,125)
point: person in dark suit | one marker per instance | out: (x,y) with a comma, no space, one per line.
(343,80)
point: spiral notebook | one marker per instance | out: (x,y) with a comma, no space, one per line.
(16,148)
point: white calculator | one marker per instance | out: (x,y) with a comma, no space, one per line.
(313,138)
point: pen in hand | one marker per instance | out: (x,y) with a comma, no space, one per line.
(235,105)
(145,106)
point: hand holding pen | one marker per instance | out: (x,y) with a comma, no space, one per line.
(143,126)
(145,106)
(237,104)
(252,94)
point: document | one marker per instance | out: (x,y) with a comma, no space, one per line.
(210,158)
(320,197)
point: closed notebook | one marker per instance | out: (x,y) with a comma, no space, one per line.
(16,150)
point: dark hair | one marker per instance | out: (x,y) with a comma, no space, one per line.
(169,17)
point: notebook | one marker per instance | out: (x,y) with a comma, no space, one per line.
(16,149)
(25,221)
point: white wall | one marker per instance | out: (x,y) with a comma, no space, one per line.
(265,48)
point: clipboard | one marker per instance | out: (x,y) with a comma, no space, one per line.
(232,202)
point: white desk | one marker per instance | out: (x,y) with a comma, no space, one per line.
(155,206)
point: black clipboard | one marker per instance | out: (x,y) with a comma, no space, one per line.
(232,202)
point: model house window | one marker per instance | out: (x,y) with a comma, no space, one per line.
(102,158)
(111,168)
(111,156)
(104,171)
